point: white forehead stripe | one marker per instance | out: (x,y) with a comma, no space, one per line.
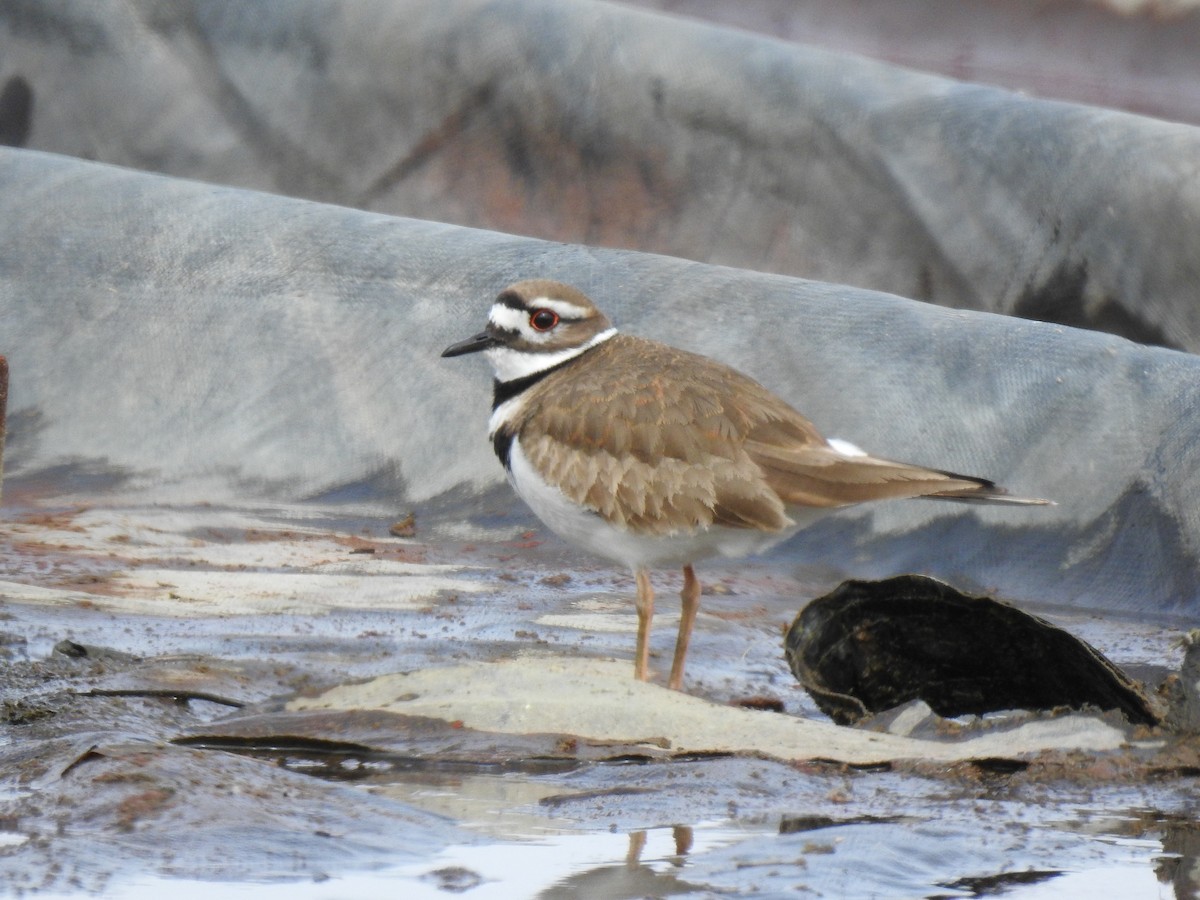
(565,308)
(508,318)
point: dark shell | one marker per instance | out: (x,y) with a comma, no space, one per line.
(873,645)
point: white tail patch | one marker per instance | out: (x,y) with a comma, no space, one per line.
(845,447)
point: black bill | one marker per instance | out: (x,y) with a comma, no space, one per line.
(481,341)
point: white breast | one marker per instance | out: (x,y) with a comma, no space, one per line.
(588,530)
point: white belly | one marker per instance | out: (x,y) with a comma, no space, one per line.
(588,530)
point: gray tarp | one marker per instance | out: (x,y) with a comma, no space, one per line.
(1136,55)
(209,343)
(598,124)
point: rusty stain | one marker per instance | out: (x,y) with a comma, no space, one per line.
(405,528)
(54,520)
(760,702)
(147,804)
(39,549)
(433,142)
(382,549)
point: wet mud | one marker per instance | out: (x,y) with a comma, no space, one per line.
(299,698)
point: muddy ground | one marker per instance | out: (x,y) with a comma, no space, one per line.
(338,701)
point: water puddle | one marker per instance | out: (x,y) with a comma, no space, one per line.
(719,858)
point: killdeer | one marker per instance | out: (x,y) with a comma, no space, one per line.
(651,456)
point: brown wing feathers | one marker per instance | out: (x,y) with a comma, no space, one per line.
(654,441)
(819,476)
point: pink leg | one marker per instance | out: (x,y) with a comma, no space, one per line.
(645,613)
(690,598)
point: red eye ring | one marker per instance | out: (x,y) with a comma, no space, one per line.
(543,319)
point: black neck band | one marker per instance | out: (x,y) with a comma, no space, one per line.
(506,390)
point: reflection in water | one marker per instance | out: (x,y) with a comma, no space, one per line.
(635,878)
(637,843)
(539,822)
(1181,868)
(683,835)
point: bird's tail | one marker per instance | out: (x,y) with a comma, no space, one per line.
(983,491)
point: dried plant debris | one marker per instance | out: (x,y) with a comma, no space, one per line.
(870,646)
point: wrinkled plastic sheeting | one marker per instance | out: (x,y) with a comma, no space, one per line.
(212,344)
(599,124)
(1136,55)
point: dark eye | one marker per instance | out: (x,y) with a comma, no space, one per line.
(543,319)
